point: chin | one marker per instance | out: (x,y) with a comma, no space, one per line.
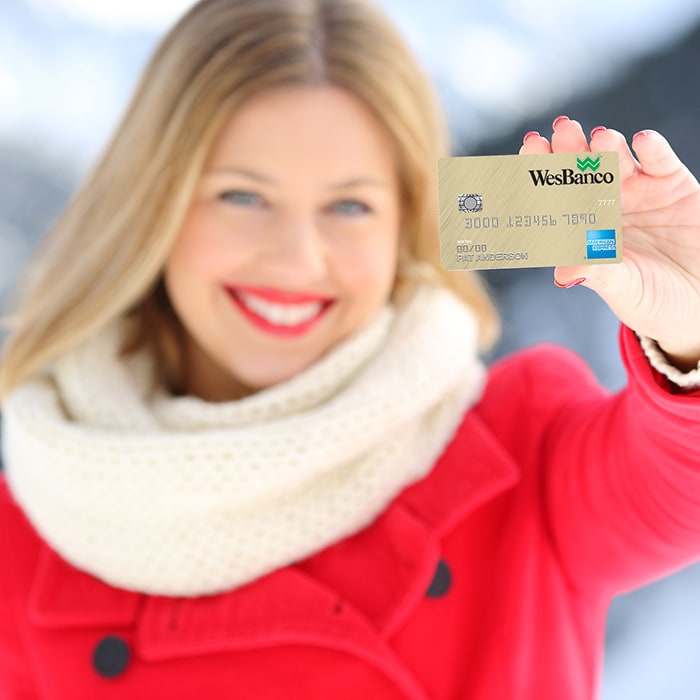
(261,378)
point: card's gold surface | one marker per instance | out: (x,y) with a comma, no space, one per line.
(529,210)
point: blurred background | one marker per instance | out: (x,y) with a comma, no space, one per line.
(67,68)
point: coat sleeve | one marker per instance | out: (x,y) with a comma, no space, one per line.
(623,479)
(619,475)
(15,677)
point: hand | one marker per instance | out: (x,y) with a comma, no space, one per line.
(656,289)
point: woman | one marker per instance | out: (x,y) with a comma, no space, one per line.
(249,447)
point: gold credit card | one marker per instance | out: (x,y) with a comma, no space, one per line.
(529,210)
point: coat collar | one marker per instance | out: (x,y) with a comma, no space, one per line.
(401,549)
(334,594)
(62,596)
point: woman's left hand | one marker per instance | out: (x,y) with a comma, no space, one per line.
(655,290)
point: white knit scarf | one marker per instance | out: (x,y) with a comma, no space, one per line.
(177,496)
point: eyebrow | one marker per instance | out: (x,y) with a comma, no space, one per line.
(242,171)
(358,182)
(258,177)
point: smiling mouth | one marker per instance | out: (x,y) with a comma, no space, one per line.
(279,313)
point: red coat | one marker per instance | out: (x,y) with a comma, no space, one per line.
(489,579)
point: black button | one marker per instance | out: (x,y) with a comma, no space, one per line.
(441,581)
(111,657)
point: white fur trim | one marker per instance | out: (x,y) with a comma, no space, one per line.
(659,361)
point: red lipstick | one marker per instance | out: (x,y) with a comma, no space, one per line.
(278,297)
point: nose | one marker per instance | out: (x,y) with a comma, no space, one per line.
(296,253)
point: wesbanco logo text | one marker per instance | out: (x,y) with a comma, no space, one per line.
(568,177)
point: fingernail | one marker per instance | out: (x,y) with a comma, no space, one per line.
(558,120)
(529,134)
(597,129)
(644,132)
(573,283)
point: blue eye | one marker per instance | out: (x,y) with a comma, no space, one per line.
(241,198)
(350,207)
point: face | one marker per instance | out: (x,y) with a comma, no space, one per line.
(290,243)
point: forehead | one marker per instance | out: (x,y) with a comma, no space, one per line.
(304,127)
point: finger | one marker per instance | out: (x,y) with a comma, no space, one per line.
(603,139)
(534,143)
(568,136)
(655,154)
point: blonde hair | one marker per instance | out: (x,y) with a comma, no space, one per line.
(105,256)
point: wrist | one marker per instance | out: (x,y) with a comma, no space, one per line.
(687,377)
(683,359)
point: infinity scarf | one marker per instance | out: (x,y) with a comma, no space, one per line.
(177,496)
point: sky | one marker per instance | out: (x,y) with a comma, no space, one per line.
(154,15)
(494,63)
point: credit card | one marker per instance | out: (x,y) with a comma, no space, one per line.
(529,210)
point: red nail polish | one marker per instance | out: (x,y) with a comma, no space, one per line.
(569,285)
(597,129)
(529,134)
(558,120)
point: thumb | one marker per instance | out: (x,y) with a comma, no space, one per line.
(616,285)
(572,276)
(607,280)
